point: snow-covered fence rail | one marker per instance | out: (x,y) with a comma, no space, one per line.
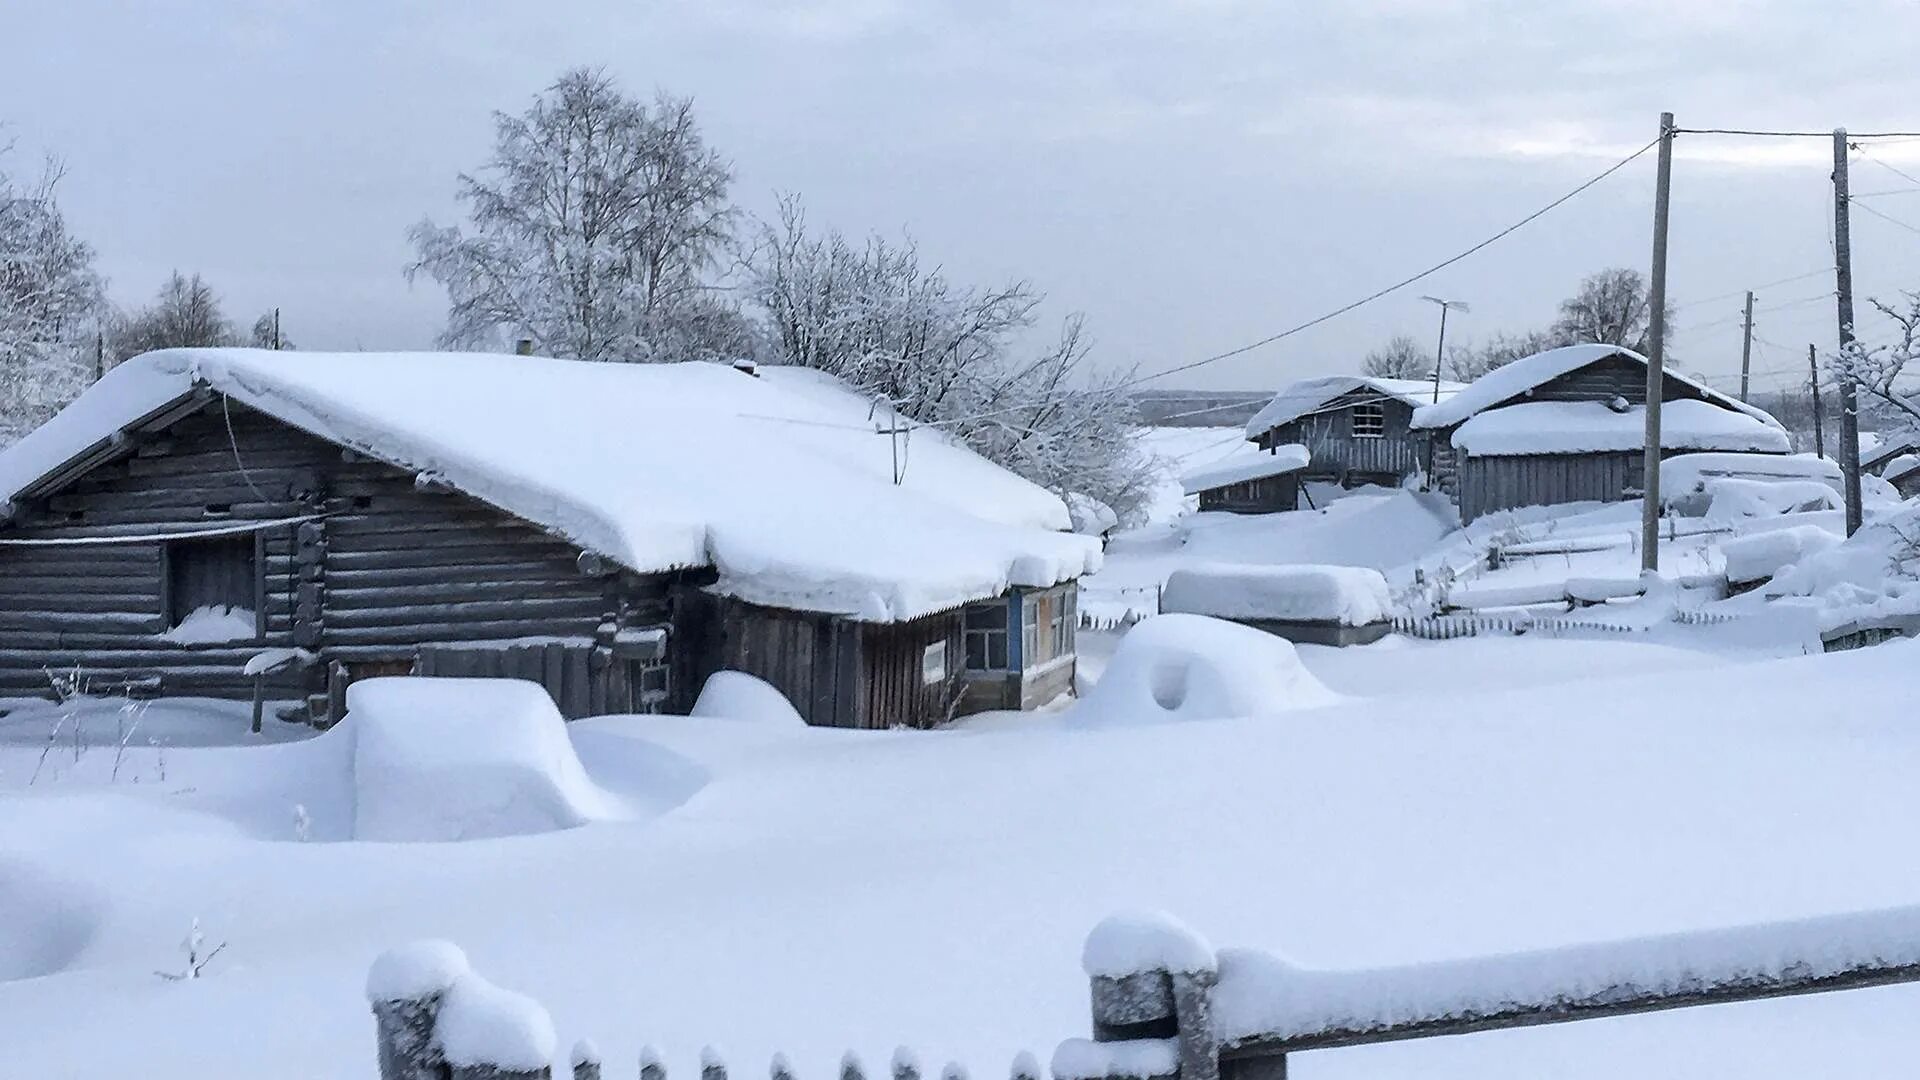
(1449,627)
(1166,1006)
(435,1018)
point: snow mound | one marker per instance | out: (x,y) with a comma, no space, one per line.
(45,923)
(736,695)
(1684,478)
(482,1024)
(463,759)
(1133,942)
(1873,574)
(1759,556)
(1191,667)
(214,623)
(1347,595)
(1090,516)
(1733,499)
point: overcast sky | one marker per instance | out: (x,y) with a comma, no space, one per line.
(1190,175)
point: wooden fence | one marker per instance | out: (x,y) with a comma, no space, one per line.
(1166,1006)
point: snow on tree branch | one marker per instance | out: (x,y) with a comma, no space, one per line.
(50,302)
(593,230)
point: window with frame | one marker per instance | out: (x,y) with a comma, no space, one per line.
(1061,624)
(1030,631)
(1369,420)
(985,634)
(211,588)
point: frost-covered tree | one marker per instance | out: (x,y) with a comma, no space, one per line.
(944,355)
(1400,358)
(595,229)
(1882,374)
(185,314)
(51,299)
(266,333)
(1467,361)
(1612,307)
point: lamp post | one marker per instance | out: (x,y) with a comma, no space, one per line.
(1440,351)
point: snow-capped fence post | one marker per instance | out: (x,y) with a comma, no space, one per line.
(712,1065)
(405,988)
(651,1067)
(906,1066)
(1152,983)
(586,1060)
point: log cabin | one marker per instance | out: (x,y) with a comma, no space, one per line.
(274,525)
(1266,483)
(1356,428)
(1568,425)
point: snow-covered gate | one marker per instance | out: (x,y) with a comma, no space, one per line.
(1168,1006)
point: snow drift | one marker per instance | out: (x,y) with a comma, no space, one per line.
(463,759)
(1760,555)
(736,695)
(1190,667)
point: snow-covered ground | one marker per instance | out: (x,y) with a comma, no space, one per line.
(810,890)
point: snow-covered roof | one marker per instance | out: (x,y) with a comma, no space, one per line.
(1282,460)
(1307,395)
(777,481)
(1900,466)
(1572,427)
(1505,383)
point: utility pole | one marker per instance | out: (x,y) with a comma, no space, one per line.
(99,355)
(276,328)
(1843,281)
(1656,353)
(1746,346)
(1440,351)
(1813,375)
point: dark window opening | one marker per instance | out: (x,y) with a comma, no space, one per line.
(76,515)
(211,585)
(986,637)
(219,509)
(1369,421)
(362,502)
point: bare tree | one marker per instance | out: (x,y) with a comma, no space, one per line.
(1611,307)
(1879,372)
(1467,361)
(594,230)
(873,314)
(266,333)
(185,314)
(1400,358)
(50,303)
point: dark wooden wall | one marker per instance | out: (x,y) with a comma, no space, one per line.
(1488,484)
(894,690)
(391,567)
(1267,495)
(1337,454)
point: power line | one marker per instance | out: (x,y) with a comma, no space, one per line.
(1851,135)
(1868,207)
(1401,284)
(1756,288)
(1907,176)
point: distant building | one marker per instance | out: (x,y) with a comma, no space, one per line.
(233,523)
(1356,428)
(1265,484)
(1569,425)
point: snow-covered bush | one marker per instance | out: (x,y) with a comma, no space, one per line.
(735,695)
(1875,573)
(1757,556)
(1190,667)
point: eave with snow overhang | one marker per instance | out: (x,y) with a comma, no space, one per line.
(1264,484)
(434,512)
(1569,425)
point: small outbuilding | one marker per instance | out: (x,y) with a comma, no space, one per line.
(239,523)
(1266,483)
(1569,425)
(1903,472)
(1306,604)
(1356,428)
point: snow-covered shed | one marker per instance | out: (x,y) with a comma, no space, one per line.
(1888,450)
(615,532)
(1264,484)
(1568,425)
(1356,428)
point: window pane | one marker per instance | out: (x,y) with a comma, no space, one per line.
(997,651)
(986,616)
(976,650)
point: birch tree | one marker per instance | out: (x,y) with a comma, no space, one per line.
(596,229)
(50,302)
(877,316)
(185,314)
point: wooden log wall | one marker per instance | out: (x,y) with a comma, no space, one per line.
(892,686)
(1488,484)
(390,566)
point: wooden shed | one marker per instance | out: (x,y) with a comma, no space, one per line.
(1567,425)
(1264,483)
(1356,428)
(235,524)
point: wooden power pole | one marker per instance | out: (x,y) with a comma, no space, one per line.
(1746,346)
(1813,374)
(1843,287)
(1656,352)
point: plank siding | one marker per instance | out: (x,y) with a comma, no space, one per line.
(1267,495)
(1337,454)
(1489,484)
(894,690)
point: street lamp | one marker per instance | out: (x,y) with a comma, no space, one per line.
(1441,350)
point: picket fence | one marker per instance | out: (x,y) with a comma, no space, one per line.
(1166,1006)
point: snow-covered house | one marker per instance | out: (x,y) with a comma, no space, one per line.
(1356,428)
(1569,425)
(614,532)
(1263,484)
(1884,453)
